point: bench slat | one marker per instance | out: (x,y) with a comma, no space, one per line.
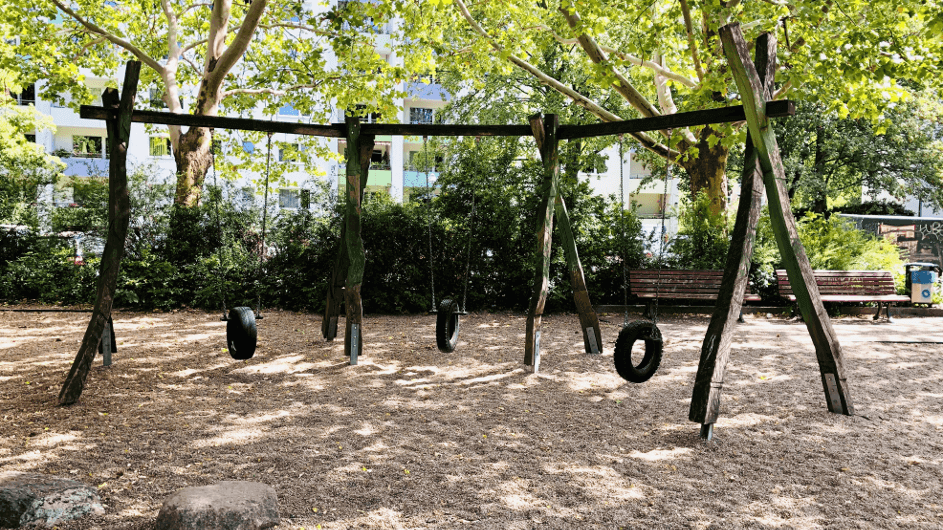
(679,284)
(848,286)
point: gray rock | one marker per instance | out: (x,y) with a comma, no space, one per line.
(32,498)
(230,505)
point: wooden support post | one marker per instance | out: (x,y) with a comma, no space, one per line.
(827,348)
(119,216)
(335,290)
(715,352)
(108,344)
(589,321)
(545,132)
(359,148)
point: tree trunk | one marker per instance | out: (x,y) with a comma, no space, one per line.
(193,159)
(708,170)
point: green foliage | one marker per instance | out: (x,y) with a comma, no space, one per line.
(703,236)
(876,208)
(24,166)
(89,211)
(831,244)
(45,271)
(829,162)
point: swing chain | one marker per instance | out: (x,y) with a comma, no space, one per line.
(471,225)
(258,289)
(625,249)
(219,226)
(425,162)
(662,240)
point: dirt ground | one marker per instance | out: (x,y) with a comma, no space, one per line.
(413,438)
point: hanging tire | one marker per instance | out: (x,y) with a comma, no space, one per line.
(633,331)
(446,326)
(241,333)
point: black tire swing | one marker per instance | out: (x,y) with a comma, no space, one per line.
(447,323)
(644,330)
(241,329)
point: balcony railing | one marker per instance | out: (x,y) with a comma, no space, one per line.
(85,167)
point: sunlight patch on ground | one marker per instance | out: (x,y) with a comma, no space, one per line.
(748,419)
(489,378)
(51,440)
(661,454)
(366,429)
(280,365)
(232,436)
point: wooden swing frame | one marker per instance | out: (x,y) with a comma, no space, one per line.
(762,166)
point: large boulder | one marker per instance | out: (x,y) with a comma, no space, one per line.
(230,505)
(31,498)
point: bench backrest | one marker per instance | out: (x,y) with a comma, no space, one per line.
(679,284)
(853,283)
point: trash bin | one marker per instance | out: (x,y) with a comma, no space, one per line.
(921,280)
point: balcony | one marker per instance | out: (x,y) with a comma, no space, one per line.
(417,179)
(85,165)
(379,175)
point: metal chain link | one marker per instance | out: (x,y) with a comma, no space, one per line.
(471,224)
(219,226)
(625,245)
(662,242)
(258,290)
(425,162)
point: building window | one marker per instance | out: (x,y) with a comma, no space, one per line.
(289,153)
(420,115)
(247,197)
(27,96)
(417,161)
(596,165)
(289,199)
(380,160)
(156,98)
(30,138)
(160,146)
(87,146)
(248,147)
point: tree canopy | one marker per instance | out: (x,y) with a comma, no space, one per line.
(226,56)
(830,161)
(664,56)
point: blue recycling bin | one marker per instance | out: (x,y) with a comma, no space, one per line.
(921,281)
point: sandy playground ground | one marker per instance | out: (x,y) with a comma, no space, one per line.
(413,438)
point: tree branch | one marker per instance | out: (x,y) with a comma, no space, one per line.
(270,91)
(191,46)
(692,42)
(627,57)
(134,50)
(595,54)
(228,58)
(302,27)
(647,141)
(88,45)
(194,6)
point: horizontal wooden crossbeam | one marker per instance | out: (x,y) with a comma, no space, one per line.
(774,109)
(682,119)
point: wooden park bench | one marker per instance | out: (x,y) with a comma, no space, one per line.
(850,286)
(649,284)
